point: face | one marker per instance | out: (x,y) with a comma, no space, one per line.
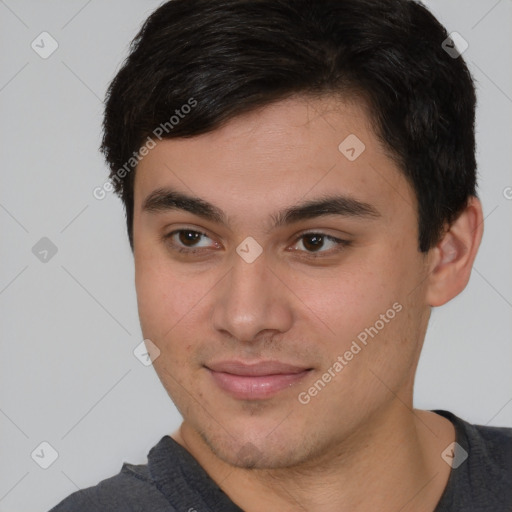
(278,273)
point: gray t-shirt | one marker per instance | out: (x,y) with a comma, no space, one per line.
(173,481)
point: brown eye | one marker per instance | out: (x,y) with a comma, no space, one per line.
(188,237)
(313,244)
(185,240)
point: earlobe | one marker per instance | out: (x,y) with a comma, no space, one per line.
(452,259)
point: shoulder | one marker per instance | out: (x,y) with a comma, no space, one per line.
(492,448)
(131,490)
(492,445)
(481,480)
(492,437)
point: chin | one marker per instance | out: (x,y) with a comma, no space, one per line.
(250,452)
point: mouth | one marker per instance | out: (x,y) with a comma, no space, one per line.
(255,381)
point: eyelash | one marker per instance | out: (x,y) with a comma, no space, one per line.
(341,243)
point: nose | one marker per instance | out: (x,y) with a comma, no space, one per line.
(252,298)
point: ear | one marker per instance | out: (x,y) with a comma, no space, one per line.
(452,259)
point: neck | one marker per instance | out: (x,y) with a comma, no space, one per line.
(393,463)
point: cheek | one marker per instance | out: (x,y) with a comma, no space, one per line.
(366,309)
(158,295)
(166,307)
(350,299)
(169,300)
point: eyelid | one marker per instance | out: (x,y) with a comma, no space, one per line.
(169,235)
(340,243)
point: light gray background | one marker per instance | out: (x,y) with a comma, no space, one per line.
(69,326)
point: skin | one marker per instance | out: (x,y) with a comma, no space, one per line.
(358,444)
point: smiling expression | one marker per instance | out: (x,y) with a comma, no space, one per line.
(261,253)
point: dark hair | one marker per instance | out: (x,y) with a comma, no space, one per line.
(227,57)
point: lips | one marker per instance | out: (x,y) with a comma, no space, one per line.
(255,381)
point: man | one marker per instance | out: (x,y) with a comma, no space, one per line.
(299,184)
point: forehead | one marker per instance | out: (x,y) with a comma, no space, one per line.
(292,150)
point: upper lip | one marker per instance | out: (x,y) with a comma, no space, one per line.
(259,368)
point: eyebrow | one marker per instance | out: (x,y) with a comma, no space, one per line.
(166,199)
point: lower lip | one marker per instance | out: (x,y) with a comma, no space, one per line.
(250,387)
